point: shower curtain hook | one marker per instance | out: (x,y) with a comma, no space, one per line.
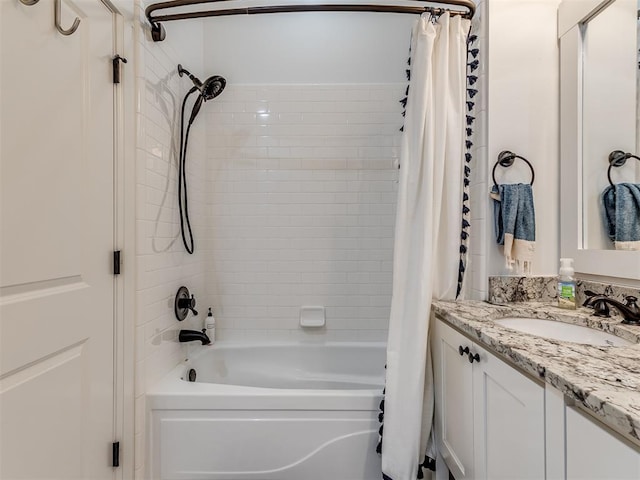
(73,27)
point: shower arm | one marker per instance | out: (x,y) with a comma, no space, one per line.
(158,33)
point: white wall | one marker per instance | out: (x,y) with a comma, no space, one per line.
(302,194)
(162,263)
(309,47)
(523,116)
(303,149)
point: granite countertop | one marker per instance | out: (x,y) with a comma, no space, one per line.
(602,379)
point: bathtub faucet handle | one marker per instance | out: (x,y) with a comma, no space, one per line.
(184,303)
(192,304)
(188,303)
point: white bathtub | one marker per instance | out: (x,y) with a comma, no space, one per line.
(269,412)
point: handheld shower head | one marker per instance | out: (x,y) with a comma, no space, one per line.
(210,88)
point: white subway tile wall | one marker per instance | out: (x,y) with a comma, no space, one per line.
(301,205)
(292,197)
(476,283)
(162,265)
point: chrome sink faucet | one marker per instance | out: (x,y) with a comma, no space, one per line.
(600,303)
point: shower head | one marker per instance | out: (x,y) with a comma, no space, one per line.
(210,88)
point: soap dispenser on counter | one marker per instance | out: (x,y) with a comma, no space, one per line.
(210,326)
(566,285)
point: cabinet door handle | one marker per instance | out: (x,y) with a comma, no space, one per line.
(474,356)
(462,351)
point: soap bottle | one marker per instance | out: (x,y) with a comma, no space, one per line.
(210,326)
(566,285)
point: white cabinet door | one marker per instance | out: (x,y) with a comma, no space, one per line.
(57,237)
(508,421)
(489,417)
(593,453)
(454,399)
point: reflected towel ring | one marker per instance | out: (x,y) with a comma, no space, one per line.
(506,159)
(618,158)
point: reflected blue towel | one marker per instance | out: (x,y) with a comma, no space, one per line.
(515,223)
(621,210)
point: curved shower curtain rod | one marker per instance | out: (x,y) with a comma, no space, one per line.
(158,33)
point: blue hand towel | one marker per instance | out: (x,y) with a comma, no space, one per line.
(621,210)
(515,224)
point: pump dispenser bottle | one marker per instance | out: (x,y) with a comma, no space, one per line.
(210,326)
(566,285)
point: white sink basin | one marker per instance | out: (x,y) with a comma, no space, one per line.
(565,332)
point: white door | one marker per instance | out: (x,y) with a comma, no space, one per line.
(508,421)
(57,237)
(453,377)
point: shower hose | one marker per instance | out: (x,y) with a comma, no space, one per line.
(183,197)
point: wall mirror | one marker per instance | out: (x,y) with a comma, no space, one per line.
(599,115)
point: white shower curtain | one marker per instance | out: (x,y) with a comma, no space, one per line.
(427,238)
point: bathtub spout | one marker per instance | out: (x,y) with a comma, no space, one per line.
(191,335)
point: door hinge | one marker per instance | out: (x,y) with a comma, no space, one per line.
(116,67)
(116,455)
(116,262)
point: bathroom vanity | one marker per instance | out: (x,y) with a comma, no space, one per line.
(517,405)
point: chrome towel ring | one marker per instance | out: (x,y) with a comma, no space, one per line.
(506,159)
